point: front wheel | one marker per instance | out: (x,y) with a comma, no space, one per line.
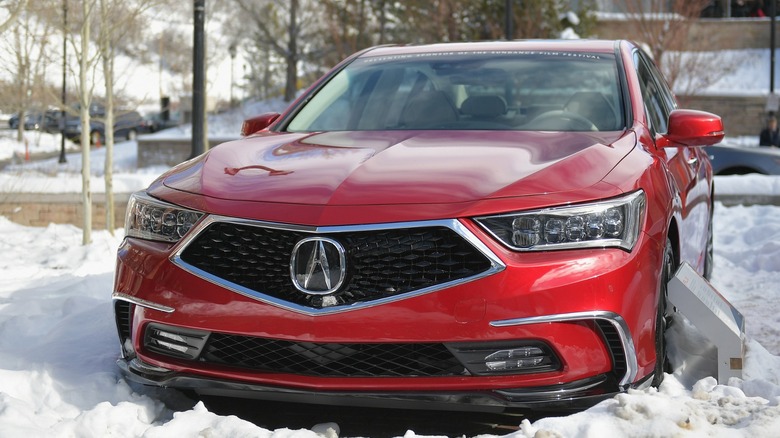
(663,317)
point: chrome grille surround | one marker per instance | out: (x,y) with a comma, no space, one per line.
(494,264)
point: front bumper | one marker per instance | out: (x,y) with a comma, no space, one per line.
(593,308)
(566,396)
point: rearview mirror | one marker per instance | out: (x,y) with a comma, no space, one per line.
(693,128)
(257,123)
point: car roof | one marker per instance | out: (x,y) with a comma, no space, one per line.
(592,46)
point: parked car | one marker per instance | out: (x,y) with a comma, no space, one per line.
(736,160)
(481,226)
(32,121)
(47,121)
(127,125)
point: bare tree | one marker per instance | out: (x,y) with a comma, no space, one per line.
(87,63)
(346,26)
(117,20)
(25,46)
(665,26)
(271,20)
(14,9)
(106,44)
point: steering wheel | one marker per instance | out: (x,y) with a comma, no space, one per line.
(561,121)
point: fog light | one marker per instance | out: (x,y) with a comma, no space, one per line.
(514,359)
(175,341)
(505,357)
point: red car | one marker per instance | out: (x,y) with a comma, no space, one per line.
(474,225)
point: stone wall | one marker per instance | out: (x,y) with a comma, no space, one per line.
(742,115)
(41,209)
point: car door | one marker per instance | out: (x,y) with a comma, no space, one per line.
(688,166)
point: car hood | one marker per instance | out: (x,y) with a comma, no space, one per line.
(398,167)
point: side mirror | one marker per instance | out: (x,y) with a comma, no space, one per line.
(257,123)
(693,128)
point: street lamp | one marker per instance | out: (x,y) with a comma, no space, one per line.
(773,100)
(198,80)
(508,20)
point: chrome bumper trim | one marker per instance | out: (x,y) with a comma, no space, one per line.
(143,303)
(613,318)
(139,366)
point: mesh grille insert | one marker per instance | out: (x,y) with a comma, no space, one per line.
(380,263)
(332,359)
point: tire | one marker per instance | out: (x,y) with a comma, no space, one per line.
(663,318)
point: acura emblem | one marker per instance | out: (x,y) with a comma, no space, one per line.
(318,265)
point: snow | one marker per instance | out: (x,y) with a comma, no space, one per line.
(58,341)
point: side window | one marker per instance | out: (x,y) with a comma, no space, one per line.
(663,87)
(655,95)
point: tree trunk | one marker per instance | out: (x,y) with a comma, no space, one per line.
(20,129)
(84,100)
(107,53)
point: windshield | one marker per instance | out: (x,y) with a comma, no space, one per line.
(488,90)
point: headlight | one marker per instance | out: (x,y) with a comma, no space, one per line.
(149,218)
(610,223)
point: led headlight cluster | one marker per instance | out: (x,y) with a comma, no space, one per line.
(610,223)
(152,219)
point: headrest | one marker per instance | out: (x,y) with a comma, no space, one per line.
(483,106)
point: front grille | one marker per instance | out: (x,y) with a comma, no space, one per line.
(331,359)
(380,263)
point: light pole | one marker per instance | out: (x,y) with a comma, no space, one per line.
(508,21)
(198,81)
(772,100)
(772,13)
(64,80)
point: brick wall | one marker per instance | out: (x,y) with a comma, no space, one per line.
(41,209)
